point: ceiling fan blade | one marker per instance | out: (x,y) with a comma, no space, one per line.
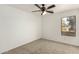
(36,11)
(51,6)
(50,11)
(37,6)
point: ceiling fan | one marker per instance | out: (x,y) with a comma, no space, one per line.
(44,9)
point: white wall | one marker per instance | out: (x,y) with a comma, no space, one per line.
(52,27)
(17,27)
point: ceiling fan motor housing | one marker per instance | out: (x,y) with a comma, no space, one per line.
(43,8)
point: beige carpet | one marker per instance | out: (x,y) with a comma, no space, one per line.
(43,46)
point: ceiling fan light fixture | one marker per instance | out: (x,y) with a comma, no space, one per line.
(44,10)
(44,13)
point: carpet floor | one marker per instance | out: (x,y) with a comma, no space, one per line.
(43,46)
